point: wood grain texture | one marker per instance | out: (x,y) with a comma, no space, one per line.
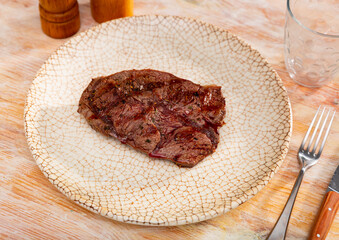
(59,21)
(104,10)
(57,6)
(328,211)
(31,208)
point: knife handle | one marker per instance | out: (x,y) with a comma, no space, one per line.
(326,216)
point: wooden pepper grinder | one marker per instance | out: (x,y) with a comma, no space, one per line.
(104,10)
(59,18)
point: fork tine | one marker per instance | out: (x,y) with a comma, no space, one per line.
(320,133)
(309,129)
(326,134)
(315,129)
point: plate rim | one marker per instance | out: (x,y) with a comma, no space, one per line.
(207,215)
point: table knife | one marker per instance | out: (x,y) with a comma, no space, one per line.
(328,209)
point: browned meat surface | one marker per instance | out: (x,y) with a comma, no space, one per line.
(157,113)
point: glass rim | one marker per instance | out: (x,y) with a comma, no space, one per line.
(307,28)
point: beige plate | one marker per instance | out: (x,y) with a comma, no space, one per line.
(121,183)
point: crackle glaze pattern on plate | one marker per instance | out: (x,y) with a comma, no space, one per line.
(121,183)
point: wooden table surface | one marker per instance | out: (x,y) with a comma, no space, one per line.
(32,208)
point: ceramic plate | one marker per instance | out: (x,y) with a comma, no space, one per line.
(121,183)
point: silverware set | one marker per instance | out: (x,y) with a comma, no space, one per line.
(309,154)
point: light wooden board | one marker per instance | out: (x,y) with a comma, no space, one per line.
(31,208)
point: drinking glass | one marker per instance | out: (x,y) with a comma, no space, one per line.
(312,41)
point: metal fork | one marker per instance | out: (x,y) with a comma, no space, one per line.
(308,156)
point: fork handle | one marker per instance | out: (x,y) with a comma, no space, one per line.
(326,216)
(280,228)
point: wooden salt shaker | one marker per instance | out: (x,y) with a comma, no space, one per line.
(104,10)
(59,18)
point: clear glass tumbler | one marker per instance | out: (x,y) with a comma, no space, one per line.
(312,41)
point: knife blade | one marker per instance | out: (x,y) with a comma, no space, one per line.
(328,209)
(334,184)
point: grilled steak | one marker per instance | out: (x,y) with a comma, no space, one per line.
(156,112)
